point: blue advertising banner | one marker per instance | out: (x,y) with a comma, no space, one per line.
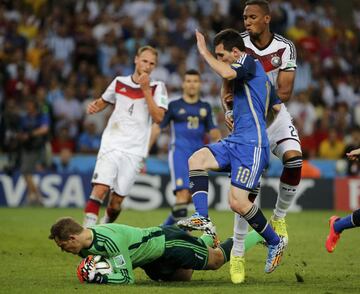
(58,190)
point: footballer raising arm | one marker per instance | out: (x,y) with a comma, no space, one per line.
(278,58)
(221,68)
(144,65)
(124,144)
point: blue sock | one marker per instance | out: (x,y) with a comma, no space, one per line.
(169,221)
(270,236)
(199,186)
(344,223)
(178,212)
(258,222)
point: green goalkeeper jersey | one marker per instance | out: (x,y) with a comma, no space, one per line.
(126,247)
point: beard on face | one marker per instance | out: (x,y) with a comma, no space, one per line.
(254,35)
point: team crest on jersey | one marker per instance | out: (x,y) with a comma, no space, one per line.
(179,182)
(275,61)
(203,112)
(182,111)
(236,65)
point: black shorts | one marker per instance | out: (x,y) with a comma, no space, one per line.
(181,251)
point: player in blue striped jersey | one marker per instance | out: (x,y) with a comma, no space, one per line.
(190,119)
(246,151)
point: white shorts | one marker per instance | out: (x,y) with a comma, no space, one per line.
(282,134)
(117,169)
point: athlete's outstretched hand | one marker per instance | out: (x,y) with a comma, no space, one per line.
(354,154)
(201,44)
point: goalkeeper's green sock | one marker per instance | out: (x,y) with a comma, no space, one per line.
(208,240)
(252,238)
(226,247)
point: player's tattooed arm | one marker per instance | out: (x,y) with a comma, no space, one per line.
(215,135)
(226,95)
(285,83)
(227,103)
(96,106)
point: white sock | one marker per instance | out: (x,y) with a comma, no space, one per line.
(104,219)
(285,198)
(90,219)
(240,231)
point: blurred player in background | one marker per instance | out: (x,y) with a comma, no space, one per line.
(337,224)
(34,127)
(165,253)
(124,144)
(278,57)
(246,151)
(190,119)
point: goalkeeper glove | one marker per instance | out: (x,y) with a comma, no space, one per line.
(86,271)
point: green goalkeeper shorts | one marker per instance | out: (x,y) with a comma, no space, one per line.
(181,251)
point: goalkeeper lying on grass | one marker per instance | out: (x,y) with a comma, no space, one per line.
(165,253)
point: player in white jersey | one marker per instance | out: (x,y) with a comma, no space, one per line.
(278,57)
(138,102)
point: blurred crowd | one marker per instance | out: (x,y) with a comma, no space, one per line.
(63,54)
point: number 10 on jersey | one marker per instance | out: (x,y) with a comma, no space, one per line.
(242,175)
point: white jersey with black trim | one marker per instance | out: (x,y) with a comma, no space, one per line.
(280,54)
(129,126)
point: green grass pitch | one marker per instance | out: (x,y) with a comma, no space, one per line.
(30,263)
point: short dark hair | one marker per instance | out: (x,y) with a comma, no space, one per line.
(230,38)
(63,228)
(264,4)
(192,72)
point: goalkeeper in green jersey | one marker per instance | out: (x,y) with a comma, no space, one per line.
(165,253)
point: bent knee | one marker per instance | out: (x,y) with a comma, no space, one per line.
(238,205)
(198,159)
